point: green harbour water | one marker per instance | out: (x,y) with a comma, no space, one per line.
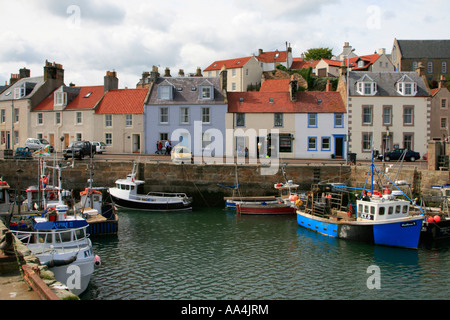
(212,254)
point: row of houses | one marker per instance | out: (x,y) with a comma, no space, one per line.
(213,113)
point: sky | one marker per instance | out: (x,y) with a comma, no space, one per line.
(90,37)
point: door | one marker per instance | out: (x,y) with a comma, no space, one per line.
(66,140)
(51,138)
(339,146)
(136,143)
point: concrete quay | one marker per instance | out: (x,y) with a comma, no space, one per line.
(23,278)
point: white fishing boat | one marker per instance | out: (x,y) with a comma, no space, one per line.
(128,193)
(60,241)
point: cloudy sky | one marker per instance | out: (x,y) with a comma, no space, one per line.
(90,37)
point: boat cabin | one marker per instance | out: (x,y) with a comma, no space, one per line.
(286,189)
(130,185)
(378,208)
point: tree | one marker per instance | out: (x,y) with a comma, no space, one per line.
(318,53)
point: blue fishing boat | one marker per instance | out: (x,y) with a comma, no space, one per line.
(379,219)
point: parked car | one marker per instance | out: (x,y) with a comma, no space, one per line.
(78,149)
(33,144)
(181,154)
(99,146)
(397,154)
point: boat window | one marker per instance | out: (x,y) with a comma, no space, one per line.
(360,208)
(391,210)
(397,209)
(132,188)
(405,209)
(381,211)
(45,238)
(63,237)
(372,210)
(79,234)
(366,209)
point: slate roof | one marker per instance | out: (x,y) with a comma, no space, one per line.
(386,83)
(419,49)
(123,101)
(184,92)
(37,82)
(274,102)
(229,64)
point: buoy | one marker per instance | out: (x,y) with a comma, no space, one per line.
(97,260)
(437,218)
(430,219)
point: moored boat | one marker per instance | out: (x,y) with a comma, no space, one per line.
(437,222)
(128,193)
(375,219)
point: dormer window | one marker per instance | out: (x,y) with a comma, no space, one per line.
(60,98)
(206,91)
(165,91)
(23,90)
(406,86)
(366,86)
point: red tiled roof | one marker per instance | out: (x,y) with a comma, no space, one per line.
(87,98)
(275,85)
(272,56)
(299,63)
(81,101)
(229,64)
(307,102)
(334,63)
(123,101)
(369,59)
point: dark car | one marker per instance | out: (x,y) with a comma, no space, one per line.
(78,149)
(397,154)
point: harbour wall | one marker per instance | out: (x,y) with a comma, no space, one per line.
(205,182)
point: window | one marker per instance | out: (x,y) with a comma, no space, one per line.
(40,118)
(164,115)
(408,115)
(19,92)
(338,120)
(233,72)
(60,98)
(444,123)
(366,141)
(444,67)
(278,120)
(163,137)
(430,67)
(444,104)
(128,120)
(408,142)
(387,115)
(366,86)
(108,139)
(312,120)
(206,92)
(233,86)
(326,145)
(414,65)
(184,115)
(240,119)
(406,86)
(16,115)
(165,91)
(79,118)
(108,120)
(206,117)
(78,137)
(57,118)
(3,116)
(312,143)
(285,142)
(367,115)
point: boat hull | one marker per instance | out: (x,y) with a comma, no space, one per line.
(436,230)
(403,233)
(151,206)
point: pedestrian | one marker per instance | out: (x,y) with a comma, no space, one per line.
(168,147)
(159,147)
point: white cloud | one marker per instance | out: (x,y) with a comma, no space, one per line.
(90,37)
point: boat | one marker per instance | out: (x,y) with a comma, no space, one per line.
(437,222)
(377,218)
(282,205)
(61,242)
(100,215)
(128,193)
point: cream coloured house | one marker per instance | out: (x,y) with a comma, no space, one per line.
(242,73)
(387,110)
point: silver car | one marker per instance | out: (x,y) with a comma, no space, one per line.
(33,144)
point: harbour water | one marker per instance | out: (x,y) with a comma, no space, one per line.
(211,254)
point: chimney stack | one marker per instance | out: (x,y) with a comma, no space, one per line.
(442,82)
(199,72)
(420,69)
(53,71)
(24,73)
(111,82)
(223,82)
(167,73)
(293,87)
(181,73)
(329,86)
